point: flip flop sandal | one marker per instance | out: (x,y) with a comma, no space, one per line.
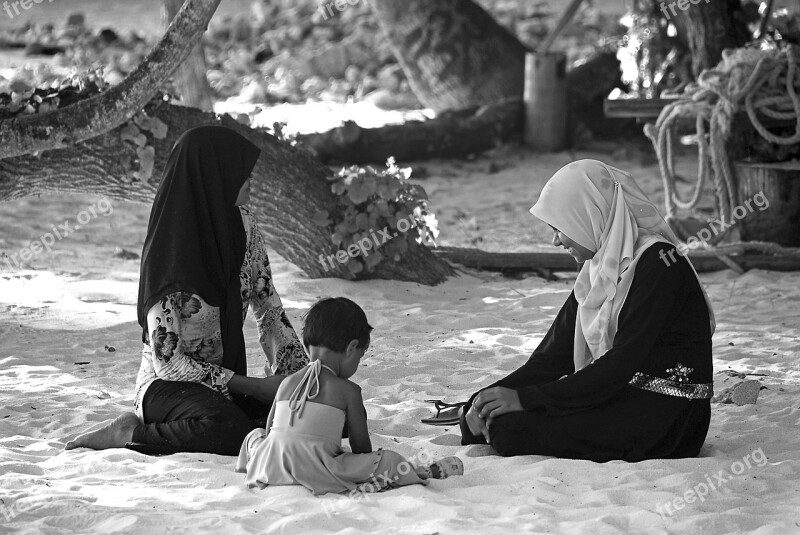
(444,468)
(151,449)
(446,413)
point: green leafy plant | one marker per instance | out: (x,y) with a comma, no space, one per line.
(135,133)
(379,206)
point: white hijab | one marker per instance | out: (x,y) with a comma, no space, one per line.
(604,210)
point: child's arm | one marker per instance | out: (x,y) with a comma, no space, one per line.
(357,422)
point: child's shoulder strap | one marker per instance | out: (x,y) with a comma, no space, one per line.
(307,388)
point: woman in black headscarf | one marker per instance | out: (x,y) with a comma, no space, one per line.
(204,261)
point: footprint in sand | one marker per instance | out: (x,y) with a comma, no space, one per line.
(115,524)
(447,440)
(480,450)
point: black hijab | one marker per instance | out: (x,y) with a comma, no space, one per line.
(196,240)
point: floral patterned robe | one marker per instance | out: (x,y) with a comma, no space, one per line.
(185,341)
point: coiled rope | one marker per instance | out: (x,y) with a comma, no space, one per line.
(758,81)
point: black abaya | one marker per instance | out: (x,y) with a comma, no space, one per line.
(595,413)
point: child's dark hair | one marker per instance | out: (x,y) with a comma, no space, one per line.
(333,322)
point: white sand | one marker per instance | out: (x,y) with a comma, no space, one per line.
(57,379)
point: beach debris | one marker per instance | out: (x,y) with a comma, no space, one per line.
(110,349)
(39,49)
(76,19)
(391,77)
(742,393)
(306,42)
(125,254)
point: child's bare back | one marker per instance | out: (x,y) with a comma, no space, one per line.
(335,392)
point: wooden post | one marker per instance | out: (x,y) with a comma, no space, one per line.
(546,101)
(769,202)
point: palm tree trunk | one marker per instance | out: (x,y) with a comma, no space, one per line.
(190,78)
(710,28)
(453,52)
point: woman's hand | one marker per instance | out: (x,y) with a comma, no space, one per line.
(263,389)
(476,424)
(496,401)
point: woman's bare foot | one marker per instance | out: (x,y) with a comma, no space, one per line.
(112,435)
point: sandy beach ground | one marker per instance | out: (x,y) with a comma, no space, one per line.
(63,312)
(70,349)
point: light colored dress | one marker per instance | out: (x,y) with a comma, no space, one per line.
(304,447)
(184,341)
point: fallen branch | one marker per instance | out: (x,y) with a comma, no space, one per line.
(459,134)
(289,187)
(520,262)
(450,135)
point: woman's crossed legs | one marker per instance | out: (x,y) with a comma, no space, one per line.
(185,417)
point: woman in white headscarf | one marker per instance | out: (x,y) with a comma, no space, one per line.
(625,370)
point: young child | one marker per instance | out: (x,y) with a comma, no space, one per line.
(302,442)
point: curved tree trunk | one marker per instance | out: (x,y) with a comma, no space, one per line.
(453,52)
(289,186)
(711,27)
(190,78)
(94,116)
